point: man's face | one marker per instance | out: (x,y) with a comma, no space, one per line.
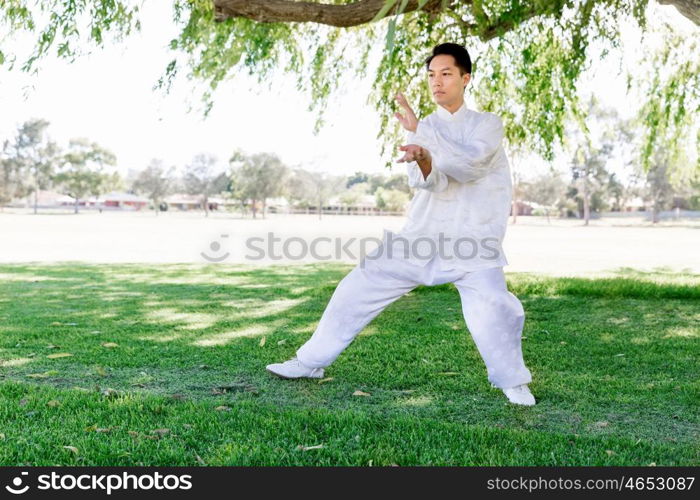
(445,82)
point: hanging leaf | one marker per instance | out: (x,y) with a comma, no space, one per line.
(390,34)
(385,8)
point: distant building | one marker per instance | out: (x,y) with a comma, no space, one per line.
(635,205)
(182,201)
(45,199)
(277,205)
(366,204)
(524,208)
(120,200)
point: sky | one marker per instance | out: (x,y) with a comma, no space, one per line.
(107,97)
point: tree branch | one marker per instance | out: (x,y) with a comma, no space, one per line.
(507,22)
(689,8)
(287,11)
(364,11)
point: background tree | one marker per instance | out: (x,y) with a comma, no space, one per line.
(659,191)
(83,169)
(593,142)
(663,182)
(34,157)
(12,182)
(258,177)
(589,177)
(546,190)
(397,182)
(391,200)
(315,188)
(518,193)
(298,190)
(114,182)
(357,178)
(154,182)
(354,194)
(204,179)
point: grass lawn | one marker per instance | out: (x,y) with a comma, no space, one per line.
(164,365)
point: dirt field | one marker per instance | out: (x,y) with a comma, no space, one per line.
(564,247)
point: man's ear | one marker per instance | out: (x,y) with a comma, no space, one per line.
(466,78)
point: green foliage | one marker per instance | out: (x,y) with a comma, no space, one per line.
(58,23)
(672,75)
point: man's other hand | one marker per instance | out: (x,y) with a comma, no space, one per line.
(414,153)
(409,121)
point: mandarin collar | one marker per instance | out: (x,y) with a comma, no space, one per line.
(452,117)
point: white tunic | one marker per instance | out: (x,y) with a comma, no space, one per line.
(465,200)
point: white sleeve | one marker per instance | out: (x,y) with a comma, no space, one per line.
(436,180)
(464,162)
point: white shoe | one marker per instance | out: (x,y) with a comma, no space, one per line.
(294,369)
(520,395)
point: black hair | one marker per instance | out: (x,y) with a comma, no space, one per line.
(459,52)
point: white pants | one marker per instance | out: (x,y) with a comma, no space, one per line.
(493,315)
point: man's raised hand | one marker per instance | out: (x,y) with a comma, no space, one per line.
(409,121)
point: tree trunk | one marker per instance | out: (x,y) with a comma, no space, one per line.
(76,205)
(586,203)
(36,199)
(655,212)
(514,203)
(264,205)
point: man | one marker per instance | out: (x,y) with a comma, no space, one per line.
(456,163)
